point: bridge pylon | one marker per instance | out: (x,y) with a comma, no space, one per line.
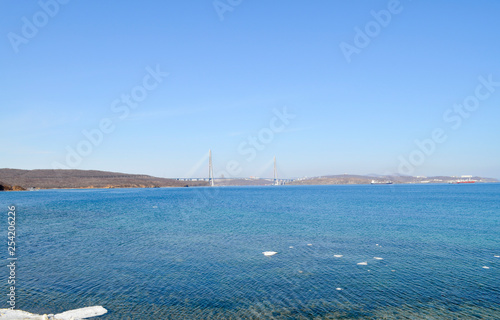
(210,169)
(276,182)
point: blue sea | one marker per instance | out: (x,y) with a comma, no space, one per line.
(343,252)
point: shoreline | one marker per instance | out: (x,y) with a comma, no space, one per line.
(29,180)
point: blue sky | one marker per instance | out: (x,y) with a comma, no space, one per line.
(229,74)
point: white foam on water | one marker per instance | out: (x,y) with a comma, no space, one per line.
(291,247)
(269,253)
(485,267)
(378,258)
(497,256)
(362,263)
(338,255)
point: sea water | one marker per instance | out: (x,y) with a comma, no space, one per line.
(343,252)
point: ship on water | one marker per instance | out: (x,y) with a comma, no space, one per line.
(465,179)
(381,182)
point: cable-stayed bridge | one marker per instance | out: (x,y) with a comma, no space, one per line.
(212,180)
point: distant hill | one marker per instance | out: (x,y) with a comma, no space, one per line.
(69,179)
(14,179)
(243,182)
(359,179)
(336,179)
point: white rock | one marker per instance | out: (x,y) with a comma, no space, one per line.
(82,313)
(77,314)
(18,314)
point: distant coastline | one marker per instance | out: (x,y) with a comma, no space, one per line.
(19,180)
(16,180)
(385,179)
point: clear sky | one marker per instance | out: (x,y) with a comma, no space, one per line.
(328,87)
